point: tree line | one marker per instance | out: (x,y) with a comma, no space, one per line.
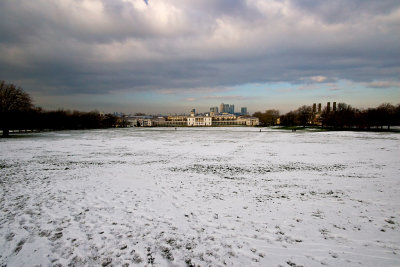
(18,113)
(343,117)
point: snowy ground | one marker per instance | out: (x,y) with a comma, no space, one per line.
(201,196)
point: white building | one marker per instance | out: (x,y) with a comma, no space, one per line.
(199,121)
(193,120)
(248,121)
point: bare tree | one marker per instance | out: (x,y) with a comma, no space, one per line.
(386,113)
(304,115)
(13,100)
(267,118)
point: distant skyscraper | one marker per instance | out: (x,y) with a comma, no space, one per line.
(328,107)
(226,108)
(334,106)
(231,109)
(192,112)
(314,108)
(214,109)
(221,108)
(319,107)
(243,110)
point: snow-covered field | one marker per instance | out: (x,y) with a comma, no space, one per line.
(200,196)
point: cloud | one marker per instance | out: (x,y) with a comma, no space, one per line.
(217,97)
(340,11)
(197,90)
(229,97)
(176,46)
(382,84)
(315,79)
(318,79)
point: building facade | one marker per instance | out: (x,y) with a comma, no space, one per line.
(199,121)
(194,120)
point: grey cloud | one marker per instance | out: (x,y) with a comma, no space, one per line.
(340,11)
(224,97)
(50,47)
(217,97)
(382,84)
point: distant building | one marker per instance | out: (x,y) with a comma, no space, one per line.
(317,112)
(223,118)
(199,121)
(248,121)
(177,118)
(139,120)
(119,114)
(214,110)
(193,120)
(231,109)
(172,121)
(222,108)
(158,121)
(226,108)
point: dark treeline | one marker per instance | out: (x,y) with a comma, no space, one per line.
(267,118)
(37,119)
(18,113)
(343,116)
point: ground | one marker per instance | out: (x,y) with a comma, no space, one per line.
(200,196)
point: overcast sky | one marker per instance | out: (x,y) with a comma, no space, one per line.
(168,56)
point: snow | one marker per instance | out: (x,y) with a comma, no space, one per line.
(200,196)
